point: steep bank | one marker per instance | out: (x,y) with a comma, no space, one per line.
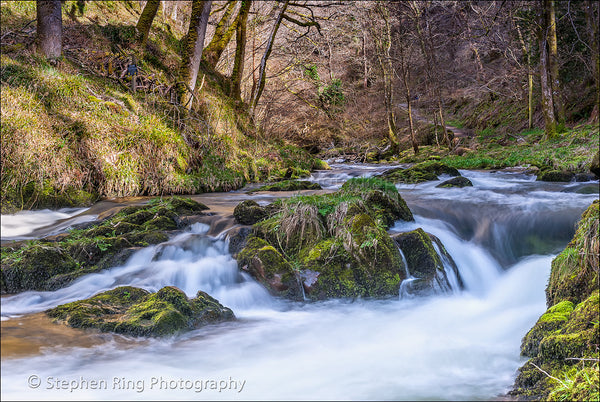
(563,344)
(73,131)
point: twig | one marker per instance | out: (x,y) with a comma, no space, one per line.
(554,378)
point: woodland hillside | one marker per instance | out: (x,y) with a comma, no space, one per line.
(229,92)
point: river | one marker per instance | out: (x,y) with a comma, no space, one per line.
(502,233)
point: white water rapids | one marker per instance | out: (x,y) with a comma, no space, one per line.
(461,346)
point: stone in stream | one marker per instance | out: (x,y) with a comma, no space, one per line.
(419,173)
(290,185)
(555,176)
(330,245)
(248,212)
(456,182)
(133,311)
(49,265)
(425,263)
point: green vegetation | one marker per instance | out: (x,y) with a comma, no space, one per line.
(73,132)
(572,151)
(330,245)
(421,172)
(133,311)
(290,185)
(563,344)
(48,265)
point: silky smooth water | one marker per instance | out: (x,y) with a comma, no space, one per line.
(459,346)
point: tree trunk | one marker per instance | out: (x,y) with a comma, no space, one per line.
(49,28)
(364,50)
(222,36)
(192,50)
(240,50)
(526,53)
(405,70)
(145,21)
(260,85)
(545,74)
(385,60)
(559,110)
(591,17)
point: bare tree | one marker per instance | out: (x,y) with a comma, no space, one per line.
(240,49)
(49,28)
(192,50)
(548,109)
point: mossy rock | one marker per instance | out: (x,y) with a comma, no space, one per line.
(248,212)
(95,247)
(424,262)
(552,320)
(31,267)
(456,182)
(574,273)
(133,311)
(290,185)
(419,173)
(555,176)
(270,268)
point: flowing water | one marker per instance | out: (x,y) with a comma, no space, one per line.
(502,234)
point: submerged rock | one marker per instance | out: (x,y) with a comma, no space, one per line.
(45,265)
(426,264)
(595,165)
(456,182)
(133,311)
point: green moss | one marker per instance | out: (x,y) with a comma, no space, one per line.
(421,172)
(133,311)
(290,185)
(42,267)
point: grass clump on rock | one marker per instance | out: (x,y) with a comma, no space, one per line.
(133,311)
(330,245)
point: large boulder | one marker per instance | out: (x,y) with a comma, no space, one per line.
(425,256)
(330,245)
(133,311)
(563,344)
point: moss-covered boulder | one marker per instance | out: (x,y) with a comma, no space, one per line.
(48,265)
(574,272)
(270,268)
(421,172)
(330,245)
(248,212)
(290,185)
(133,311)
(555,175)
(426,264)
(459,181)
(563,344)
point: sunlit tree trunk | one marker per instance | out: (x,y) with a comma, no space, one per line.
(405,70)
(545,74)
(192,51)
(260,85)
(145,21)
(526,53)
(384,43)
(222,36)
(553,61)
(240,50)
(49,28)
